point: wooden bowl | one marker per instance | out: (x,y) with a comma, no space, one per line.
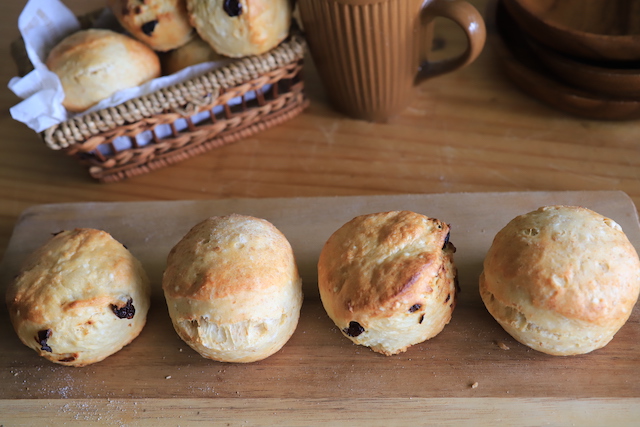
(613,80)
(592,29)
(521,66)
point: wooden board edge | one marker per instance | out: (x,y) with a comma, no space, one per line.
(287,412)
(35,209)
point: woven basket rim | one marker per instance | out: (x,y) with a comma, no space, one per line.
(271,82)
(91,142)
(183,97)
(178,96)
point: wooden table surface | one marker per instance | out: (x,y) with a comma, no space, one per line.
(470,131)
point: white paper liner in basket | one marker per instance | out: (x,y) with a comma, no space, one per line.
(43,24)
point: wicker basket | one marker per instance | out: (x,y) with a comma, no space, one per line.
(186,119)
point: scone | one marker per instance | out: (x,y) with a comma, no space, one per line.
(94,64)
(161,24)
(237,28)
(195,52)
(561,280)
(79,298)
(388,280)
(232,289)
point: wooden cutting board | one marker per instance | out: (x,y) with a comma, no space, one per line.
(319,372)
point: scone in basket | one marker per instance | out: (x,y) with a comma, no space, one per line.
(172,124)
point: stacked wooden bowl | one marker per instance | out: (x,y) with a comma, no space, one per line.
(580,56)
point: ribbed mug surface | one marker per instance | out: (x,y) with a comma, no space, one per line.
(367,52)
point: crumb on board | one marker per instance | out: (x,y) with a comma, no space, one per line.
(502,345)
(474,385)
(168,377)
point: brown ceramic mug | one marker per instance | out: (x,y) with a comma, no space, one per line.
(370,53)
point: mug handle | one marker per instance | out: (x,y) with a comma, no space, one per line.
(471,22)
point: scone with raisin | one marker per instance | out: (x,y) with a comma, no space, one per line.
(79,298)
(561,279)
(232,289)
(161,24)
(388,280)
(238,28)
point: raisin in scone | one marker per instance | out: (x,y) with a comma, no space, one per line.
(232,288)
(561,280)
(388,280)
(237,28)
(79,298)
(161,24)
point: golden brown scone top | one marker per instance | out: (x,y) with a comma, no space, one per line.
(232,254)
(241,27)
(567,259)
(161,24)
(373,260)
(73,270)
(94,64)
(194,52)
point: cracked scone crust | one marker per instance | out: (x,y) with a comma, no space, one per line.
(241,27)
(561,280)
(94,64)
(161,24)
(79,298)
(388,280)
(232,289)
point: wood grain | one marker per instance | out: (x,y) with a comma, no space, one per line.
(526,66)
(602,30)
(606,17)
(468,411)
(318,364)
(470,131)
